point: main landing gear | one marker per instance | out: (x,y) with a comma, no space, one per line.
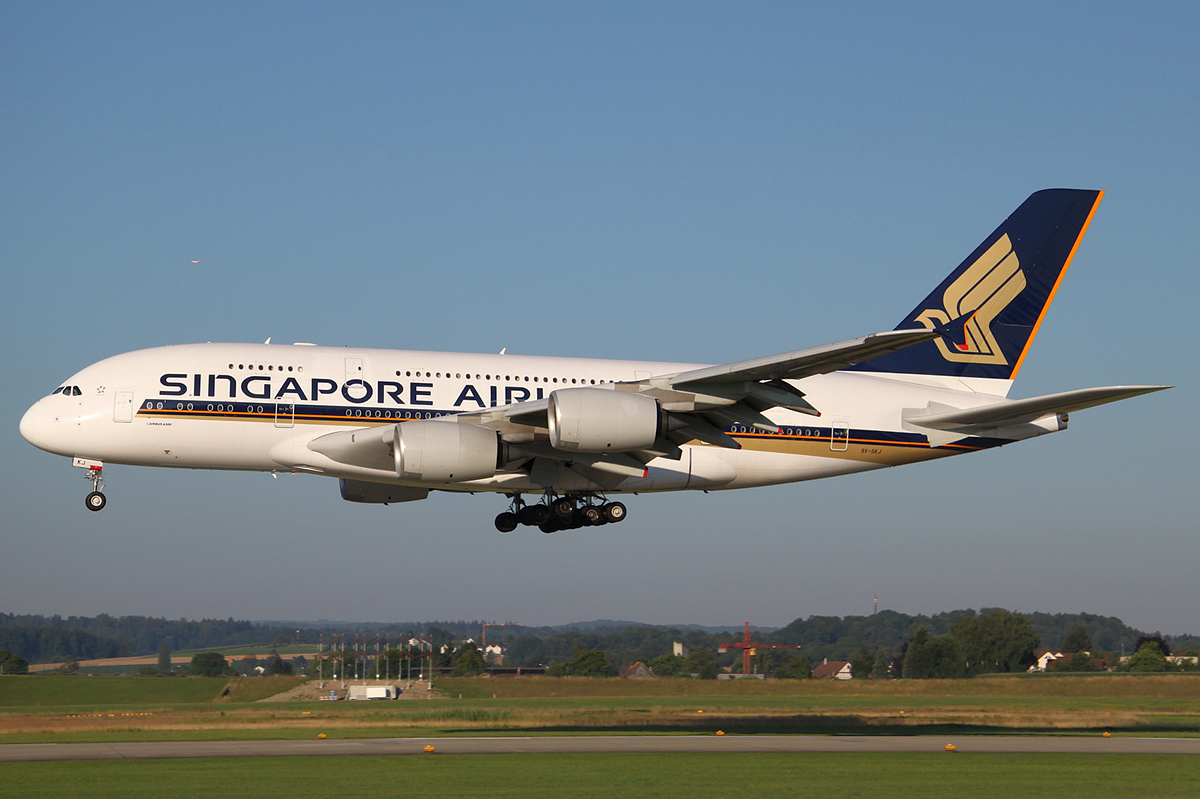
(564,513)
(96,500)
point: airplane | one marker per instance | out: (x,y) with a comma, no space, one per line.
(571,433)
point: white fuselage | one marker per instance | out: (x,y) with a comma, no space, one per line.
(257,407)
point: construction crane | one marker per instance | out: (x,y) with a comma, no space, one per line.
(750,649)
(487,624)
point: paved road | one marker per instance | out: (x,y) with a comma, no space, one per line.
(596,744)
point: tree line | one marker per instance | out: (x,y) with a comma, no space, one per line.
(858,639)
(43,639)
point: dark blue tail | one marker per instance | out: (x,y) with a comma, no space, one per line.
(989,308)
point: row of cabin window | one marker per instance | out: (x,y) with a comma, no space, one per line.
(507,378)
(354,412)
(794,432)
(269,368)
(458,375)
(387,414)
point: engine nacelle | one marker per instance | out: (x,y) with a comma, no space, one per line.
(437,451)
(602,420)
(362,491)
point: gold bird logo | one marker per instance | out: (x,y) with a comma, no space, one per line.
(972,302)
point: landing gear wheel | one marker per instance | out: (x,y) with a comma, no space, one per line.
(615,512)
(95,501)
(538,514)
(591,515)
(506,522)
(563,508)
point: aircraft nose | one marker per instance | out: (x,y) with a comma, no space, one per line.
(29,425)
(33,425)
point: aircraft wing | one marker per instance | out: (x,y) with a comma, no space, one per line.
(807,362)
(726,384)
(701,403)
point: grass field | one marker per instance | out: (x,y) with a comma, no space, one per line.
(83,692)
(75,708)
(897,776)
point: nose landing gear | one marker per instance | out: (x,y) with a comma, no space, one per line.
(95,500)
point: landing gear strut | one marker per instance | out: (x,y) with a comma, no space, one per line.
(563,513)
(95,500)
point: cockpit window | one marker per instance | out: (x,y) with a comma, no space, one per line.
(58,390)
(67,391)
(75,392)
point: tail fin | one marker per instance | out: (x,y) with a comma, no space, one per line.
(989,309)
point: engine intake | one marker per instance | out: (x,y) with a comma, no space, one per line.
(602,420)
(444,452)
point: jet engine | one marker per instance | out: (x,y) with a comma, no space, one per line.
(602,420)
(443,452)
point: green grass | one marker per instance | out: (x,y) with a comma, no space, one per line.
(256,689)
(77,708)
(1185,686)
(896,776)
(82,691)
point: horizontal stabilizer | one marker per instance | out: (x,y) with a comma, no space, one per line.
(1027,410)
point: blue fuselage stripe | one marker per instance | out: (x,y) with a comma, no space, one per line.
(282,414)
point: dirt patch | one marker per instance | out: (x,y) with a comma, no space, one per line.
(314,690)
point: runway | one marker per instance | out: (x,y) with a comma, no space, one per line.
(629,744)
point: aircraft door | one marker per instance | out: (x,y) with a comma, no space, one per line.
(839,437)
(123,407)
(285,414)
(356,388)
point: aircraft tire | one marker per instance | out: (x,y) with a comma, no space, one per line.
(615,512)
(506,522)
(538,514)
(591,515)
(96,501)
(563,508)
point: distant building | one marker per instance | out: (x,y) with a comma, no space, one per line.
(638,671)
(1045,658)
(677,648)
(832,670)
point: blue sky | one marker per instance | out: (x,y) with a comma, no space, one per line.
(698,182)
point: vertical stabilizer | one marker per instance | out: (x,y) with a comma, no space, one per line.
(989,309)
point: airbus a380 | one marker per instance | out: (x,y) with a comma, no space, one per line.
(570,433)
